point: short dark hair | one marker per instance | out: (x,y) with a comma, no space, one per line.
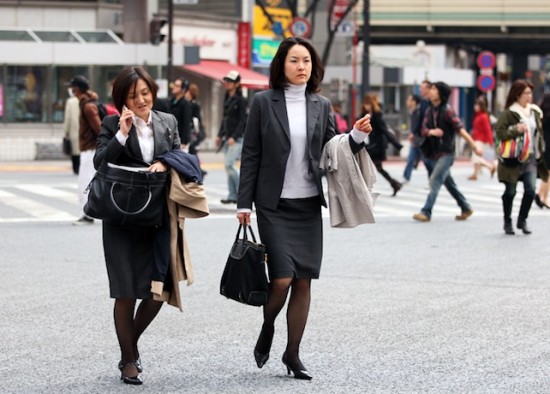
(277,78)
(126,80)
(416,98)
(184,83)
(517,88)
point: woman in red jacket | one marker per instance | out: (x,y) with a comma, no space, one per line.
(482,134)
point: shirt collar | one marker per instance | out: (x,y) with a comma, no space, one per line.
(138,122)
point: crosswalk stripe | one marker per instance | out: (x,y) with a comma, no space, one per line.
(484,198)
(33,208)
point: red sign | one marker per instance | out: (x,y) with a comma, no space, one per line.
(244,44)
(486,59)
(300,27)
(340,7)
(486,83)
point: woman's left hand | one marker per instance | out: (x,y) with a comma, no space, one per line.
(363,124)
(157,166)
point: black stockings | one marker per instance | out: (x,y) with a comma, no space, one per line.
(129,328)
(297,313)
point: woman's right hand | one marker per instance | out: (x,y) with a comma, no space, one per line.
(125,120)
(522,128)
(243,217)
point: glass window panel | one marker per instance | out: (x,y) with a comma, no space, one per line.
(12,35)
(98,36)
(57,36)
(24,91)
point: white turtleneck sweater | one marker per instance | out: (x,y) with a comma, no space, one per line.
(298,182)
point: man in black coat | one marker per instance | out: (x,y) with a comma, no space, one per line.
(182,110)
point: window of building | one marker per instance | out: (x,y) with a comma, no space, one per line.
(24,90)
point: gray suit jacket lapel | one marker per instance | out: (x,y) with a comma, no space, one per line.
(133,144)
(312,108)
(279,109)
(159,135)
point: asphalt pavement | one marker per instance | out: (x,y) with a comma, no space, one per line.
(401,307)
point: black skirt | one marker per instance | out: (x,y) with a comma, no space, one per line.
(129,260)
(293,236)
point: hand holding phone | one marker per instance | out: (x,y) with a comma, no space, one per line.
(125,121)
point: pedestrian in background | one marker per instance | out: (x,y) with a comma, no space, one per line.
(181,109)
(442,124)
(520,117)
(287,128)
(89,128)
(197,131)
(230,136)
(139,135)
(339,119)
(414,156)
(380,137)
(541,198)
(71,128)
(482,134)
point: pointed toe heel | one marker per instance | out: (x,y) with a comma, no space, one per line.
(260,358)
(300,372)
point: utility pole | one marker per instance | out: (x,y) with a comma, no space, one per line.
(169,70)
(366,43)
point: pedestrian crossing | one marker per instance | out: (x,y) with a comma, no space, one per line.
(58,202)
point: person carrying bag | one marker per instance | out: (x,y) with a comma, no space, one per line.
(244,278)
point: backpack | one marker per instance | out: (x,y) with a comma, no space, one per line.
(101,109)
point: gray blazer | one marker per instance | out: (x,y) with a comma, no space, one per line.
(165,134)
(266,146)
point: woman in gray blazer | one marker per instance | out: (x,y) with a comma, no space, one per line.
(286,131)
(134,139)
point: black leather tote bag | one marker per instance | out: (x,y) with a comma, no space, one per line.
(127,196)
(244,278)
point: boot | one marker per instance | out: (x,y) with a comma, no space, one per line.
(522,224)
(526,202)
(507,202)
(508,229)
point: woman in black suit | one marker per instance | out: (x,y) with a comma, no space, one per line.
(136,138)
(286,130)
(378,140)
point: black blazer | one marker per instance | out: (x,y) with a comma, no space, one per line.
(266,146)
(165,135)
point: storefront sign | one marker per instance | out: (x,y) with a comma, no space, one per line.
(263,51)
(243,56)
(281,17)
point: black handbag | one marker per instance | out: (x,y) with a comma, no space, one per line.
(127,196)
(244,278)
(67,148)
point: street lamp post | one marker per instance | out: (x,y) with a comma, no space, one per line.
(366,43)
(170,25)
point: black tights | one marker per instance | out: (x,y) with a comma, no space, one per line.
(129,327)
(296,315)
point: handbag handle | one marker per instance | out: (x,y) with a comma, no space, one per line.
(246,226)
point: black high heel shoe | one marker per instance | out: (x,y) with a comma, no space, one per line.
(300,372)
(137,363)
(134,380)
(266,335)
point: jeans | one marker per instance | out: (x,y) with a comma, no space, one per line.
(231,155)
(412,159)
(529,179)
(441,174)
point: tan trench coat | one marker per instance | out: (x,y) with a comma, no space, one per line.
(185,201)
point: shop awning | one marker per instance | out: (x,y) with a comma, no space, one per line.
(217,69)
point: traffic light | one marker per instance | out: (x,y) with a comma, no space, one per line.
(155,26)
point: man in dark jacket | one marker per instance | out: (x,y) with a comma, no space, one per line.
(181,109)
(230,136)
